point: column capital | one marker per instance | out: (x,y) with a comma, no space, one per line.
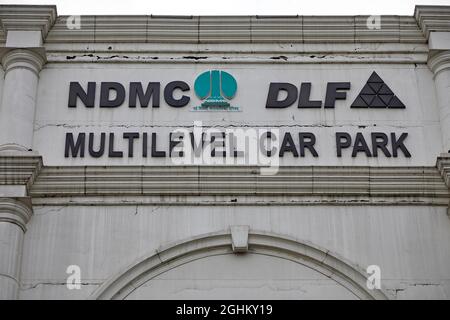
(439,56)
(32,59)
(439,61)
(25,18)
(16,210)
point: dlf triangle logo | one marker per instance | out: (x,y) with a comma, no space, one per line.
(377,94)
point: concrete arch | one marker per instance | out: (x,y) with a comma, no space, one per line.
(176,254)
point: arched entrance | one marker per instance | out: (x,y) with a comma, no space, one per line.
(206,267)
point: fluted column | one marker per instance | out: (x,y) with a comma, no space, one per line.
(439,63)
(17,109)
(22,57)
(14,216)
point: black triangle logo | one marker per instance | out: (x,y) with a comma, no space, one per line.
(376,94)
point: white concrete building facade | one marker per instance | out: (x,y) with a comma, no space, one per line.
(123,174)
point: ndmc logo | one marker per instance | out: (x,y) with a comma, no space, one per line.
(215,88)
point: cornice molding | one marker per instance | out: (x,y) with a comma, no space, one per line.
(291,185)
(15,211)
(235,29)
(432,18)
(443,165)
(224,29)
(19,168)
(27,17)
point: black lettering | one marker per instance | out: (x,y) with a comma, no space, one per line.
(156,153)
(217,140)
(101,148)
(305,93)
(144,144)
(360,146)
(113,153)
(197,148)
(136,91)
(333,94)
(173,143)
(76,91)
(130,136)
(267,136)
(233,145)
(288,145)
(105,101)
(307,140)
(274,91)
(343,140)
(396,144)
(380,141)
(168,94)
(72,147)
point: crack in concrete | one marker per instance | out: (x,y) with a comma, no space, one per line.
(10,277)
(51,211)
(405,287)
(25,287)
(159,257)
(276,126)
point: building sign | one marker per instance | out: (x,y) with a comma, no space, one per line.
(216,88)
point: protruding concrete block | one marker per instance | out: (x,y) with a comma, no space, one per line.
(239,236)
(23,39)
(13,191)
(439,41)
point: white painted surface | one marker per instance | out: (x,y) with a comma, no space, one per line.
(409,243)
(241,277)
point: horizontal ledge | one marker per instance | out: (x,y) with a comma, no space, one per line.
(206,58)
(413,184)
(234,201)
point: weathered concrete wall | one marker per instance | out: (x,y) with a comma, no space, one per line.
(409,243)
(142,227)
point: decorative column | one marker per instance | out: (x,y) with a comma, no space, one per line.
(14,215)
(18,170)
(22,57)
(18,103)
(439,63)
(22,60)
(435,25)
